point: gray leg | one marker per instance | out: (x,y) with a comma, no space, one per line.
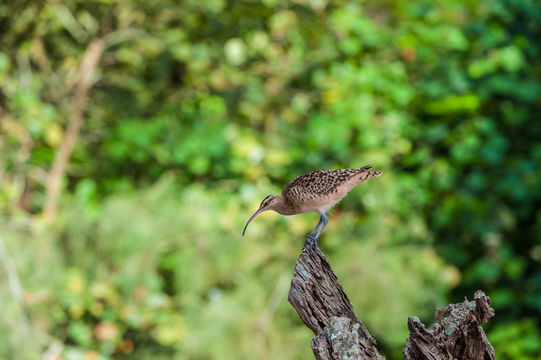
(322,221)
(315,229)
(325,221)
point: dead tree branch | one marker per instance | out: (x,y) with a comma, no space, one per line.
(322,304)
(456,334)
(320,301)
(87,68)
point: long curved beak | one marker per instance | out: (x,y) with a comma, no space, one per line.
(253,216)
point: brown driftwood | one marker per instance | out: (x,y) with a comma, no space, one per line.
(320,301)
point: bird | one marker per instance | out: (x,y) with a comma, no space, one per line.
(316,191)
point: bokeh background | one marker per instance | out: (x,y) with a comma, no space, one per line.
(197,110)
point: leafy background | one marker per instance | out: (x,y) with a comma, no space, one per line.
(199,109)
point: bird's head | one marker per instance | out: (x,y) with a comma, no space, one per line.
(268,203)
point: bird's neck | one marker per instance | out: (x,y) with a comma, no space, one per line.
(283,207)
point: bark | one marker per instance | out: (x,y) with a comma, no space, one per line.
(320,301)
(456,334)
(322,304)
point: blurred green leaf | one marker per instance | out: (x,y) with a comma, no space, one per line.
(198,110)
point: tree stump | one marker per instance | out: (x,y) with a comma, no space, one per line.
(456,334)
(320,301)
(322,304)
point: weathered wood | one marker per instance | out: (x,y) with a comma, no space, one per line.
(320,301)
(344,338)
(456,334)
(322,304)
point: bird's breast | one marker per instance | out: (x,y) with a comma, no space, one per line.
(322,203)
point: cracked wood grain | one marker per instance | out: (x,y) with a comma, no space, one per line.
(324,307)
(456,333)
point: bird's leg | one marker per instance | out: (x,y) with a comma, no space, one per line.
(325,220)
(322,221)
(315,229)
(310,237)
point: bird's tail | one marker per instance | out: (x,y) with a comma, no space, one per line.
(365,175)
(370,174)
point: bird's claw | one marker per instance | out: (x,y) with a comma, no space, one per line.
(311,241)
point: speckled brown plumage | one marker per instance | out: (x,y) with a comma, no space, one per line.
(324,184)
(316,191)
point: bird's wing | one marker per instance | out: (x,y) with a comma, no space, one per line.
(320,182)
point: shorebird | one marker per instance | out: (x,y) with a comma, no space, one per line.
(316,191)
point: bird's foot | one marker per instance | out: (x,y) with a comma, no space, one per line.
(311,241)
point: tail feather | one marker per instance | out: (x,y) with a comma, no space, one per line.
(365,175)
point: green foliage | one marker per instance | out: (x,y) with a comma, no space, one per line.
(201,108)
(153,272)
(520,340)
